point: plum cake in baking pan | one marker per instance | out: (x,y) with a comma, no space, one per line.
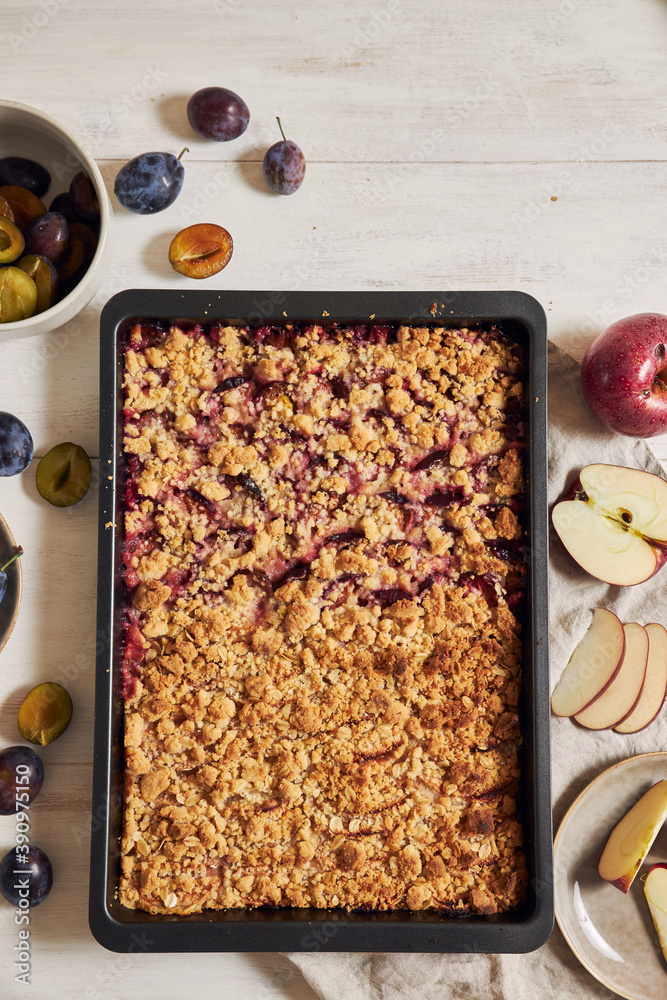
(323,566)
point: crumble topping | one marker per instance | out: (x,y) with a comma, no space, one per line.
(323,565)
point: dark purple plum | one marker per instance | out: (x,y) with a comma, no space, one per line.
(218,114)
(284,166)
(21,777)
(63,203)
(16,445)
(25,173)
(47,235)
(25,874)
(84,197)
(149,183)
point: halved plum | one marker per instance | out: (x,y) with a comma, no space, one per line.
(11,241)
(201,250)
(45,276)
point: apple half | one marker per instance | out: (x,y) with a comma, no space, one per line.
(655,890)
(632,837)
(654,691)
(613,522)
(622,693)
(594,663)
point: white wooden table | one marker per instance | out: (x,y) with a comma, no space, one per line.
(467,144)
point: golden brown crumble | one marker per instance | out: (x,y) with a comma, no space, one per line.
(323,563)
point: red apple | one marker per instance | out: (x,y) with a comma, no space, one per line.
(624,375)
(613,522)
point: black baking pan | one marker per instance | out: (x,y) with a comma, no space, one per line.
(120,929)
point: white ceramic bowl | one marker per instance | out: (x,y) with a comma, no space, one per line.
(28,132)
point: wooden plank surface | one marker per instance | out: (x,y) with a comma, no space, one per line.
(472,144)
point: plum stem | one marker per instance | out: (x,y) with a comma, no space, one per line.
(19,552)
(186,149)
(281,129)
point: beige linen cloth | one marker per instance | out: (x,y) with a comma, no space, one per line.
(576,439)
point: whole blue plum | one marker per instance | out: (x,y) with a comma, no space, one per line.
(16,446)
(150,182)
(37,873)
(284,166)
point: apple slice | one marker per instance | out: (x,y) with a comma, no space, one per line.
(592,666)
(620,696)
(614,523)
(631,839)
(655,890)
(654,691)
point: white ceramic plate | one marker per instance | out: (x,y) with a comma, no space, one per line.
(610,932)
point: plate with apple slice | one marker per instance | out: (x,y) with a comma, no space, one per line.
(612,913)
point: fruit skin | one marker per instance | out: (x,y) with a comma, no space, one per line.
(149,183)
(624,375)
(34,868)
(613,522)
(24,784)
(284,166)
(16,445)
(201,250)
(47,235)
(63,203)
(84,197)
(218,114)
(45,713)
(631,839)
(25,173)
